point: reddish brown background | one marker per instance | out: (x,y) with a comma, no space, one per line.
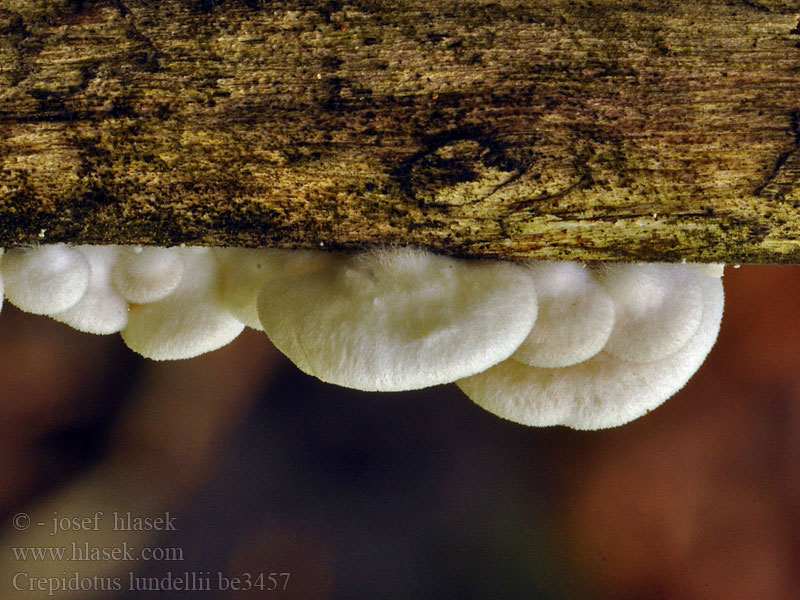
(424,494)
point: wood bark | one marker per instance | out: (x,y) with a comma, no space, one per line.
(607,130)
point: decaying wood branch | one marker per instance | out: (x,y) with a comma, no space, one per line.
(650,130)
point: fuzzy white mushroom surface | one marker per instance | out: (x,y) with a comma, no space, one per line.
(576,316)
(191,320)
(658,308)
(146,274)
(604,391)
(101,310)
(540,343)
(398,318)
(246,270)
(46,279)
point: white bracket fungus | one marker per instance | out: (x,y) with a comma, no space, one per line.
(45,280)
(246,271)
(658,309)
(604,391)
(540,343)
(189,321)
(576,316)
(143,275)
(398,319)
(101,310)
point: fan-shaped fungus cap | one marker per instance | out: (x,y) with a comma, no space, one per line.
(101,310)
(247,269)
(146,274)
(189,321)
(398,319)
(658,308)
(604,391)
(575,318)
(46,279)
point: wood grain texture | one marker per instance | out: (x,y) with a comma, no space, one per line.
(607,130)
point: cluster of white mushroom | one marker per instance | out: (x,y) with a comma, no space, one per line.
(164,301)
(540,343)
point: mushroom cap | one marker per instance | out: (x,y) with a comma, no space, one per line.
(658,309)
(246,270)
(189,321)
(398,318)
(46,279)
(101,310)
(576,316)
(146,274)
(604,391)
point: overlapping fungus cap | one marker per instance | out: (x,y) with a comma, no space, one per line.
(398,318)
(190,320)
(101,309)
(606,390)
(146,274)
(658,308)
(45,280)
(576,316)
(610,342)
(246,270)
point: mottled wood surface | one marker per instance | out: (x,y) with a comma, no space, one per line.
(649,130)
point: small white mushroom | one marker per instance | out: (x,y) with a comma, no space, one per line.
(101,310)
(575,319)
(398,319)
(189,321)
(46,279)
(146,274)
(604,391)
(247,269)
(658,309)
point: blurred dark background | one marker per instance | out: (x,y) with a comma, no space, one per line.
(423,494)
